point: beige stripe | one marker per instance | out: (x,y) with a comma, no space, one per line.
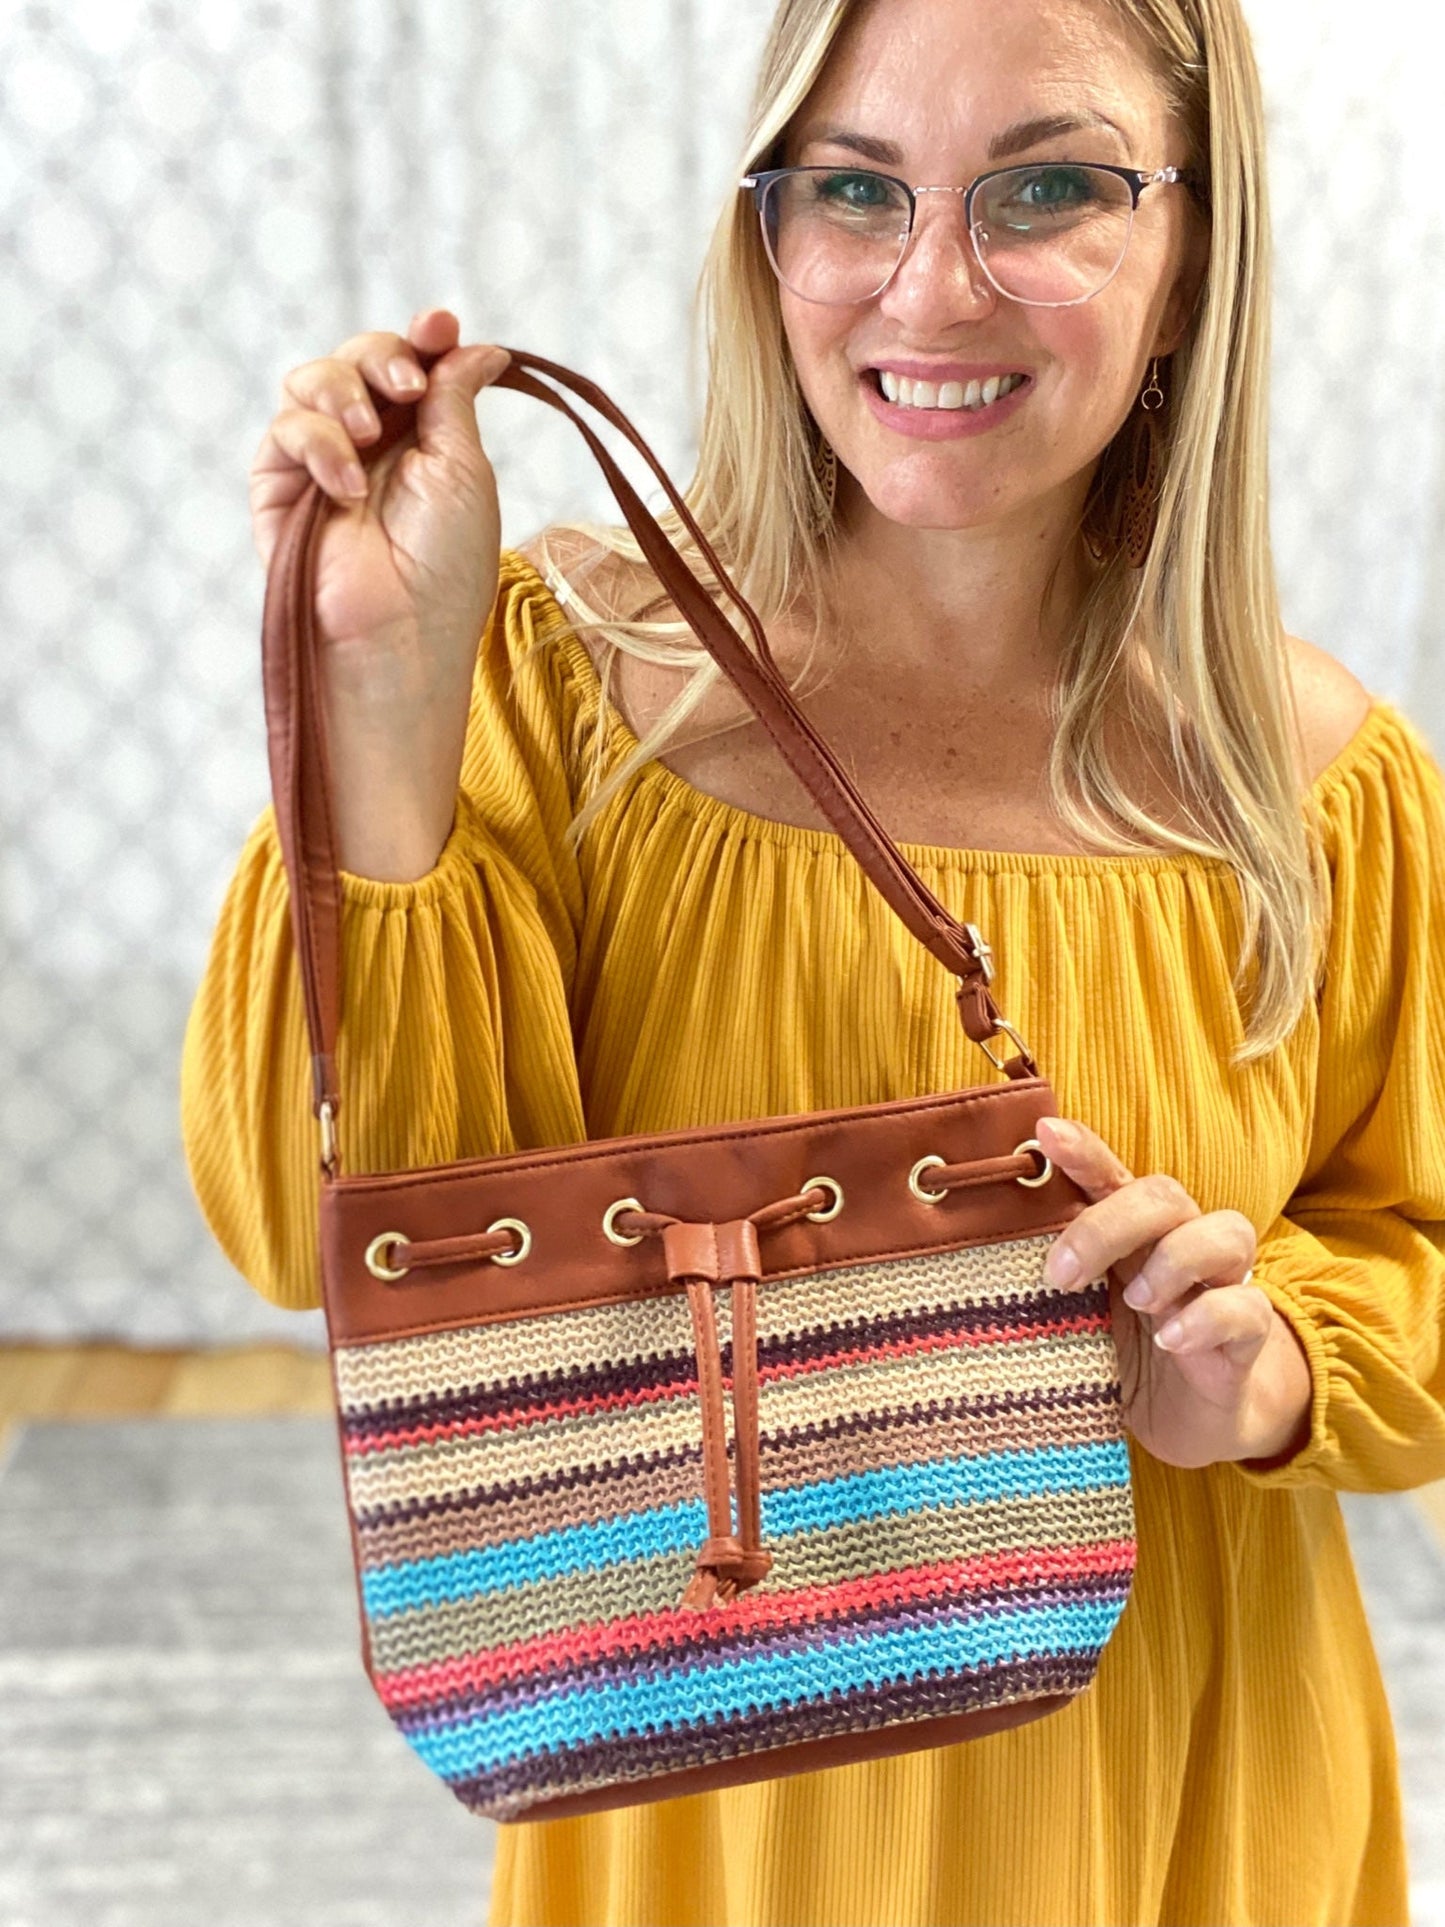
(795,1462)
(444,1363)
(532,1513)
(827,1557)
(1082,1359)
(496,1458)
(633,1329)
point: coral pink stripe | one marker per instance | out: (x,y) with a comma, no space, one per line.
(643,1632)
(651,1394)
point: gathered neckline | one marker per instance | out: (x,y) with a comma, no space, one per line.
(741,822)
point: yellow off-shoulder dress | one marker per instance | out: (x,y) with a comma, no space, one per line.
(1233,1761)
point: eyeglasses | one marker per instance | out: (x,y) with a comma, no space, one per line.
(1051,234)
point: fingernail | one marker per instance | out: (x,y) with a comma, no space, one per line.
(406,374)
(1064,1132)
(1170,1336)
(1138,1295)
(353,479)
(1061,1267)
(360,419)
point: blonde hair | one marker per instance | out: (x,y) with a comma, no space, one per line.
(1202,614)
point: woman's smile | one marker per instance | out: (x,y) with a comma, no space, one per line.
(959,401)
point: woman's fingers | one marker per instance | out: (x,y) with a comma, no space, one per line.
(434,331)
(1094,1166)
(337,384)
(335,415)
(1138,1213)
(1217,1248)
(381,362)
(446,417)
(323,448)
(1233,1319)
(343,388)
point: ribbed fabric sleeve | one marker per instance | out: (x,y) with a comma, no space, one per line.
(1356,1261)
(692,962)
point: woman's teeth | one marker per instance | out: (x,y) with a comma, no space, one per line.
(908,393)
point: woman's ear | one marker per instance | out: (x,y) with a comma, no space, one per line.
(1183,298)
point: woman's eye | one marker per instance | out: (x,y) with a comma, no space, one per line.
(1049,189)
(853,190)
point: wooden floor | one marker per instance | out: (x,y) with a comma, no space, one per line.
(113,1381)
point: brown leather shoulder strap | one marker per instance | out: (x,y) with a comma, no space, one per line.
(297,744)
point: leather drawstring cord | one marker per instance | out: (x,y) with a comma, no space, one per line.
(700,1257)
(408,1254)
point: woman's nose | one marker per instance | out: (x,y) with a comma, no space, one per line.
(939,278)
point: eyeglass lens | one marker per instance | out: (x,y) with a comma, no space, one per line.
(1051,234)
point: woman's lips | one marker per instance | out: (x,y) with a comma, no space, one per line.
(940,424)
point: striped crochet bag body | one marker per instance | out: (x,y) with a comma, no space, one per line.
(944,1497)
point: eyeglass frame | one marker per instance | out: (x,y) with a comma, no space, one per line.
(1135,178)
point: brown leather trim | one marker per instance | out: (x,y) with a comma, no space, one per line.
(708,1174)
(810,1756)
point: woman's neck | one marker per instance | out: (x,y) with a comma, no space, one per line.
(988,608)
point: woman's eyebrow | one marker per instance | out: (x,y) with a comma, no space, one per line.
(1032,133)
(1013,140)
(865,144)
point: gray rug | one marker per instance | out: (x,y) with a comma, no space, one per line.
(187,1738)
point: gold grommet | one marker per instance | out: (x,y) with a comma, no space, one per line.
(511,1257)
(609,1222)
(374,1260)
(829,1211)
(926,1164)
(1032,1144)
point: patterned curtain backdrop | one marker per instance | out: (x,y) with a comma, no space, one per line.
(196,198)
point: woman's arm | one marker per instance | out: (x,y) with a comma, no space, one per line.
(455,1032)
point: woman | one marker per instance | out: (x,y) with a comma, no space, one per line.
(1206,857)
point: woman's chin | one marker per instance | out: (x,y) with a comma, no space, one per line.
(927,508)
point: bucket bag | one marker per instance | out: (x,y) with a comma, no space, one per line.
(679,1460)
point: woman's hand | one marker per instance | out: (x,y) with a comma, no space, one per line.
(1210,1371)
(406,573)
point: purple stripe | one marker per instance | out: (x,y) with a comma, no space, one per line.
(639,1756)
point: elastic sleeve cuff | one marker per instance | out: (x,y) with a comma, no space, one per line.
(1301,1466)
(455,860)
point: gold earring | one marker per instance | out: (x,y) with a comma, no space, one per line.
(1144,474)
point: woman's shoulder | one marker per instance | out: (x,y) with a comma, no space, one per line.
(572,562)
(1332,702)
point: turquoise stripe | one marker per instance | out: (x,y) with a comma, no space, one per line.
(915,1488)
(745,1683)
(890,1490)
